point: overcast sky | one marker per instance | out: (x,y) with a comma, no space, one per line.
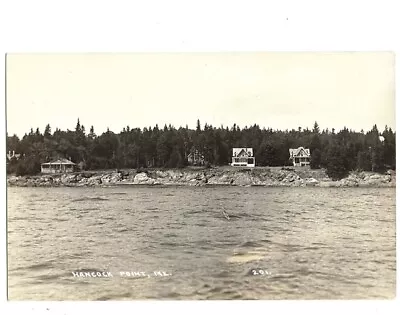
(277,90)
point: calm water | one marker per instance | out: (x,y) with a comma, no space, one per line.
(310,243)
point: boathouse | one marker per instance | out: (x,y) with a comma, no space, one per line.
(243,157)
(300,156)
(58,166)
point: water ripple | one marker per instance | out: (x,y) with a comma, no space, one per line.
(311,243)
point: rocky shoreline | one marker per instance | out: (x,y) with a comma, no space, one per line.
(229,176)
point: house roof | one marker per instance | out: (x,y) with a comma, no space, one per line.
(242,152)
(299,152)
(60,161)
(196,153)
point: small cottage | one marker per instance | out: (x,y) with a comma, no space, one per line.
(300,156)
(195,158)
(13,155)
(58,166)
(243,157)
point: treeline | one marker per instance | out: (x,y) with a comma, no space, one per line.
(338,152)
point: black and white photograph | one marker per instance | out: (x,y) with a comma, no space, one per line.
(201,176)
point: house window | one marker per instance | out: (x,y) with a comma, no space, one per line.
(250,161)
(237,160)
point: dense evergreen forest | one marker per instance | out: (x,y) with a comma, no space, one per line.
(337,151)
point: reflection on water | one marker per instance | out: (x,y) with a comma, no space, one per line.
(309,243)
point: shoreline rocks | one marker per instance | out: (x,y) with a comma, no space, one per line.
(219,176)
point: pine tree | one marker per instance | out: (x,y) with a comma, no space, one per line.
(91,134)
(378,159)
(315,161)
(198,126)
(315,143)
(78,126)
(316,128)
(47,131)
(364,160)
(337,164)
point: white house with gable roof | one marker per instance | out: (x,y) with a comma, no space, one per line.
(300,156)
(243,157)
